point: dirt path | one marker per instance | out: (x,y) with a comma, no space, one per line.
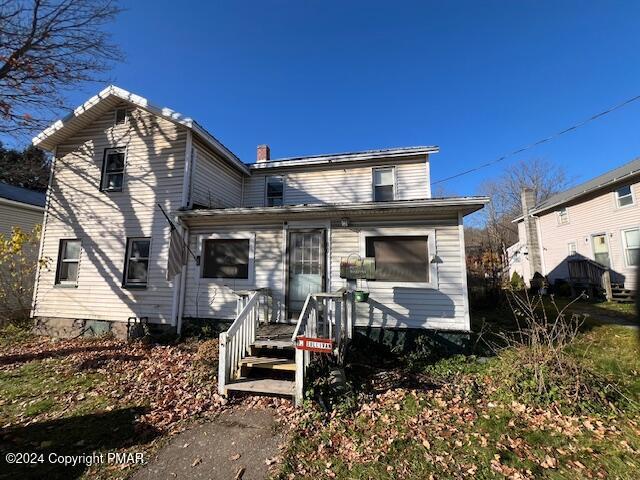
(239,438)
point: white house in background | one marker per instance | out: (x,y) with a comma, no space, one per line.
(20,207)
(278,226)
(598,220)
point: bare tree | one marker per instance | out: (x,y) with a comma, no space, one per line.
(47,48)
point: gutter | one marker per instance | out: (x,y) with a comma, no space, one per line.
(15,203)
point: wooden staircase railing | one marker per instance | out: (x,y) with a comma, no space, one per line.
(235,343)
(324,315)
(584,271)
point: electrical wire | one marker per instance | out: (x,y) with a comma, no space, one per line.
(540,142)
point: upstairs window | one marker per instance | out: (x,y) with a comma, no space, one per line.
(383,184)
(226,258)
(68,262)
(400,258)
(120,116)
(563,216)
(572,248)
(275,191)
(631,241)
(624,196)
(112,170)
(137,262)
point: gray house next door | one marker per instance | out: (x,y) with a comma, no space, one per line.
(306,267)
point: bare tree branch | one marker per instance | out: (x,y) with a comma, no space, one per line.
(48,48)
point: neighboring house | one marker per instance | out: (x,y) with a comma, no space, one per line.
(283,225)
(20,207)
(598,221)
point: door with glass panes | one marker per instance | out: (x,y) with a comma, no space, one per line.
(601,250)
(306,268)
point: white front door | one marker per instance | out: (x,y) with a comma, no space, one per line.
(306,267)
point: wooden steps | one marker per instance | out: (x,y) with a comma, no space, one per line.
(270,363)
(269,343)
(263,385)
(621,294)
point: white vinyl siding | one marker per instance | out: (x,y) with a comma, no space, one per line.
(596,214)
(214,183)
(103,221)
(16,216)
(339,184)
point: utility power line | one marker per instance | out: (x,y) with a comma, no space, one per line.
(540,142)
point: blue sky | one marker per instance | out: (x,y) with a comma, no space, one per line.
(477,78)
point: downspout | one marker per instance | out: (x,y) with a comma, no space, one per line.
(183,281)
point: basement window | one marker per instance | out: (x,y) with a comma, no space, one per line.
(383,184)
(400,258)
(113,170)
(68,262)
(136,267)
(226,258)
(275,191)
(624,196)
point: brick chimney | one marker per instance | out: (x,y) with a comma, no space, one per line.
(528,199)
(264,153)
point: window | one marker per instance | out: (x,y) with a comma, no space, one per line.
(121,116)
(226,258)
(400,258)
(563,216)
(631,242)
(112,170)
(624,196)
(383,184)
(275,191)
(572,247)
(136,266)
(68,261)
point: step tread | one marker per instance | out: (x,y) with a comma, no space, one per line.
(267,343)
(269,362)
(263,385)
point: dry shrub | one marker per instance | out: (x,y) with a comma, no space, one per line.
(207,354)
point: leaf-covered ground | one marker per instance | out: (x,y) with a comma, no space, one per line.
(79,396)
(456,419)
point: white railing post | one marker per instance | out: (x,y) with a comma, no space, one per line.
(222,364)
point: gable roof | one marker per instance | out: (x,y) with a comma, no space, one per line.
(345,157)
(611,177)
(107,99)
(22,195)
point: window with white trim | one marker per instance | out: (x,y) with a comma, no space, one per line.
(120,116)
(68,262)
(383,184)
(400,258)
(563,216)
(572,248)
(624,196)
(226,258)
(136,269)
(113,170)
(274,191)
(631,243)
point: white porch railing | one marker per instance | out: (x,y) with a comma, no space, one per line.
(235,343)
(324,315)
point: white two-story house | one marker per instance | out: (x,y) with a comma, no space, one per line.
(279,224)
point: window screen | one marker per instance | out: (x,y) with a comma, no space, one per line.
(112,170)
(68,261)
(400,258)
(383,184)
(137,263)
(275,191)
(226,258)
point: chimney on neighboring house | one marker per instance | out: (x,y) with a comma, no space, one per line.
(264,153)
(528,198)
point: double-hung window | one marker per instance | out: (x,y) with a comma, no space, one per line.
(226,258)
(383,184)
(631,243)
(68,262)
(572,248)
(136,268)
(563,216)
(120,116)
(275,191)
(113,170)
(624,196)
(400,258)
